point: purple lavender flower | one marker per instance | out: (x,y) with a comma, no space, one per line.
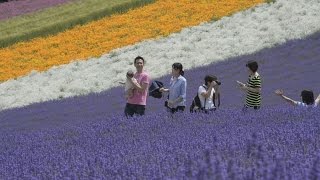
(17,7)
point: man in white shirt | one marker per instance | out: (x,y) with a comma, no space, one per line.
(206,93)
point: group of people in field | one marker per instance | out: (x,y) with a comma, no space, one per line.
(138,83)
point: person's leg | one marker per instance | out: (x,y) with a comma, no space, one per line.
(207,111)
(129,110)
(173,110)
(245,109)
(256,107)
(177,109)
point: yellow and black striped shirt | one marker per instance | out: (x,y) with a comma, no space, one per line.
(253,98)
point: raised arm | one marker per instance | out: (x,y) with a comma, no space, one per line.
(279,92)
(317,101)
(206,93)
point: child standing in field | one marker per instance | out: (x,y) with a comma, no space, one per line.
(129,85)
(252,87)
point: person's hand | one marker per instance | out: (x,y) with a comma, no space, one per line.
(241,84)
(279,92)
(244,88)
(163,90)
(212,84)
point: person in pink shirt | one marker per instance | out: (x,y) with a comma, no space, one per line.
(136,104)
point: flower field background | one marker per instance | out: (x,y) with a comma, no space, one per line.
(88,136)
(74,128)
(292,66)
(17,8)
(99,37)
(50,21)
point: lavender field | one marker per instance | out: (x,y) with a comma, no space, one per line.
(89,137)
(19,7)
(276,143)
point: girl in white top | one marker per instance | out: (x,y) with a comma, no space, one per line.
(206,91)
(306,96)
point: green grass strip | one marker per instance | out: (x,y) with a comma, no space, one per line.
(60,18)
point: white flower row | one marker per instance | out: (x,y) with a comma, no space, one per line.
(264,26)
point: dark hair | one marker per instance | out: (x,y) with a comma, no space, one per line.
(138,58)
(179,67)
(252,65)
(307,97)
(130,73)
(209,78)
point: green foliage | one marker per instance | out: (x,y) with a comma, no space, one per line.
(58,19)
(270,1)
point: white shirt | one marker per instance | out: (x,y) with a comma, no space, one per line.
(301,104)
(209,102)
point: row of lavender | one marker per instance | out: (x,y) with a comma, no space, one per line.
(16,8)
(293,66)
(276,143)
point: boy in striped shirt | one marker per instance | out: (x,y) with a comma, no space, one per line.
(252,87)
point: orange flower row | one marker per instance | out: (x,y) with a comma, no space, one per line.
(94,39)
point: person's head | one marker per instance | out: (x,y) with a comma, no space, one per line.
(177,69)
(139,63)
(307,97)
(130,73)
(252,66)
(209,79)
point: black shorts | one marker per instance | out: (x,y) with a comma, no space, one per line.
(136,109)
(253,107)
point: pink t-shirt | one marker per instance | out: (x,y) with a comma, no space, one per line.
(140,97)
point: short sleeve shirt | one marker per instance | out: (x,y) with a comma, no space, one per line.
(304,105)
(253,98)
(140,97)
(209,101)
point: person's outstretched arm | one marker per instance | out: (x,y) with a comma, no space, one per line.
(164,90)
(317,101)
(279,92)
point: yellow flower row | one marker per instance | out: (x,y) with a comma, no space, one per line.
(94,39)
